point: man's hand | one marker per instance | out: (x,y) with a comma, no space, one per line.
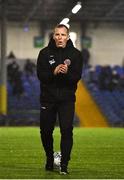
(61,68)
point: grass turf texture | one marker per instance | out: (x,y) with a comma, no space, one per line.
(97,154)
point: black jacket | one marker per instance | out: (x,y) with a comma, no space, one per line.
(62,86)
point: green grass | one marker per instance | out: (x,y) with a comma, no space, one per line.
(97,154)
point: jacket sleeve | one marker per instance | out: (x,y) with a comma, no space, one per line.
(44,72)
(74,73)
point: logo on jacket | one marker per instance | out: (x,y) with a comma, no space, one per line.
(67,62)
(51,61)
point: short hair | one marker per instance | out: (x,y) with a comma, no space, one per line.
(62,25)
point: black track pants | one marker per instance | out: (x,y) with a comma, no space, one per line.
(48,114)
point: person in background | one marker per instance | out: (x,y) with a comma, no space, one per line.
(86,65)
(59,68)
(29,67)
(11,55)
(12,68)
(14,77)
(86,57)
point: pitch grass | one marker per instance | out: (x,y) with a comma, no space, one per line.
(98,153)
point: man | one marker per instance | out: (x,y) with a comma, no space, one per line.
(59,68)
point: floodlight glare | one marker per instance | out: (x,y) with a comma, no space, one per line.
(65,21)
(76,8)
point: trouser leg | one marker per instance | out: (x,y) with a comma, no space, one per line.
(66,115)
(47,122)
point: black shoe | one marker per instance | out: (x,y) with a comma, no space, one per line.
(49,167)
(49,164)
(63,170)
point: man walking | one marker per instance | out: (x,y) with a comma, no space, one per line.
(59,68)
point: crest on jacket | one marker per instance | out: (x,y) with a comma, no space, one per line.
(67,62)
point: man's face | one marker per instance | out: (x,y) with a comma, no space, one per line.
(60,36)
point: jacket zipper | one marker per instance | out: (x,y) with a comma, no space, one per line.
(60,61)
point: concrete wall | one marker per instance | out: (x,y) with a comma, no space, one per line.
(107,44)
(21,42)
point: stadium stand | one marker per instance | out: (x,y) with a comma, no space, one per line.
(23,109)
(109,96)
(23,105)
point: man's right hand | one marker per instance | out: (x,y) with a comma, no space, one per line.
(61,68)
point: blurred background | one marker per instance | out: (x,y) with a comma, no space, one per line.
(96,28)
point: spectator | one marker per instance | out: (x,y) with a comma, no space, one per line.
(86,57)
(29,67)
(11,55)
(14,76)
(18,88)
(12,68)
(105,78)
